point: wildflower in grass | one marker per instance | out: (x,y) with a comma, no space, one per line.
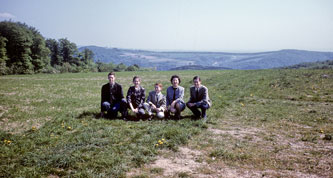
(251,94)
(242,104)
(33,128)
(69,128)
(321,131)
(156,145)
(7,142)
(63,125)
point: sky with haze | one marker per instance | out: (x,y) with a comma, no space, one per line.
(184,25)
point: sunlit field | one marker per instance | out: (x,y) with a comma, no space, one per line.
(275,123)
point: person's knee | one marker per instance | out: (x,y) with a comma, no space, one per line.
(105,103)
(204,106)
(141,112)
(105,106)
(160,115)
(146,105)
(177,106)
(187,104)
(180,107)
(123,102)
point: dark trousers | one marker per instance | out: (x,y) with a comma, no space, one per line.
(113,109)
(195,109)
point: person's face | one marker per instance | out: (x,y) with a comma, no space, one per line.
(112,79)
(157,89)
(136,82)
(175,82)
(196,83)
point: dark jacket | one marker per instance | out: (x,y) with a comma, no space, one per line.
(137,98)
(112,96)
(202,96)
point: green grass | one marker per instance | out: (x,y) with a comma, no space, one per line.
(51,123)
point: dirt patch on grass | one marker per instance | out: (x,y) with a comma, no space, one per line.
(174,164)
(238,133)
(18,127)
(298,155)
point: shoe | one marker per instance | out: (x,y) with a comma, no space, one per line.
(204,119)
(177,116)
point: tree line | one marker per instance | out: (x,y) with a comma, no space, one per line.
(23,50)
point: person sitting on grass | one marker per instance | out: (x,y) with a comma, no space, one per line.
(156,102)
(199,99)
(174,98)
(112,98)
(136,97)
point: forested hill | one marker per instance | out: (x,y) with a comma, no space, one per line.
(169,60)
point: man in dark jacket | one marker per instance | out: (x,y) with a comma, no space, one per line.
(199,99)
(112,98)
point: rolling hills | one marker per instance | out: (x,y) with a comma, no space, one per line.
(168,60)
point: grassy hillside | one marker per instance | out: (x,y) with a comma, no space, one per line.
(262,123)
(328,64)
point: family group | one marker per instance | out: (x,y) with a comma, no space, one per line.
(171,105)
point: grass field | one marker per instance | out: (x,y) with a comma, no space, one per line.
(272,123)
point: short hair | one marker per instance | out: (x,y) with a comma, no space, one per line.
(196,78)
(112,73)
(159,84)
(135,77)
(175,76)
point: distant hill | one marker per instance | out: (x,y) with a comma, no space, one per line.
(199,67)
(170,60)
(312,65)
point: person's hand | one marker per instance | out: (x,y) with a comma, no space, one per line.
(157,109)
(153,106)
(173,110)
(191,104)
(135,110)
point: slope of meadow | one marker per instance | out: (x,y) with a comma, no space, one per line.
(262,123)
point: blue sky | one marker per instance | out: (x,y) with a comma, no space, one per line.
(195,25)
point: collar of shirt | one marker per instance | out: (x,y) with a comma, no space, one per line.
(111,85)
(198,87)
(157,94)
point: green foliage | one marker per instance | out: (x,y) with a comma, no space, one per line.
(3,56)
(54,47)
(132,68)
(102,67)
(120,67)
(68,51)
(25,48)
